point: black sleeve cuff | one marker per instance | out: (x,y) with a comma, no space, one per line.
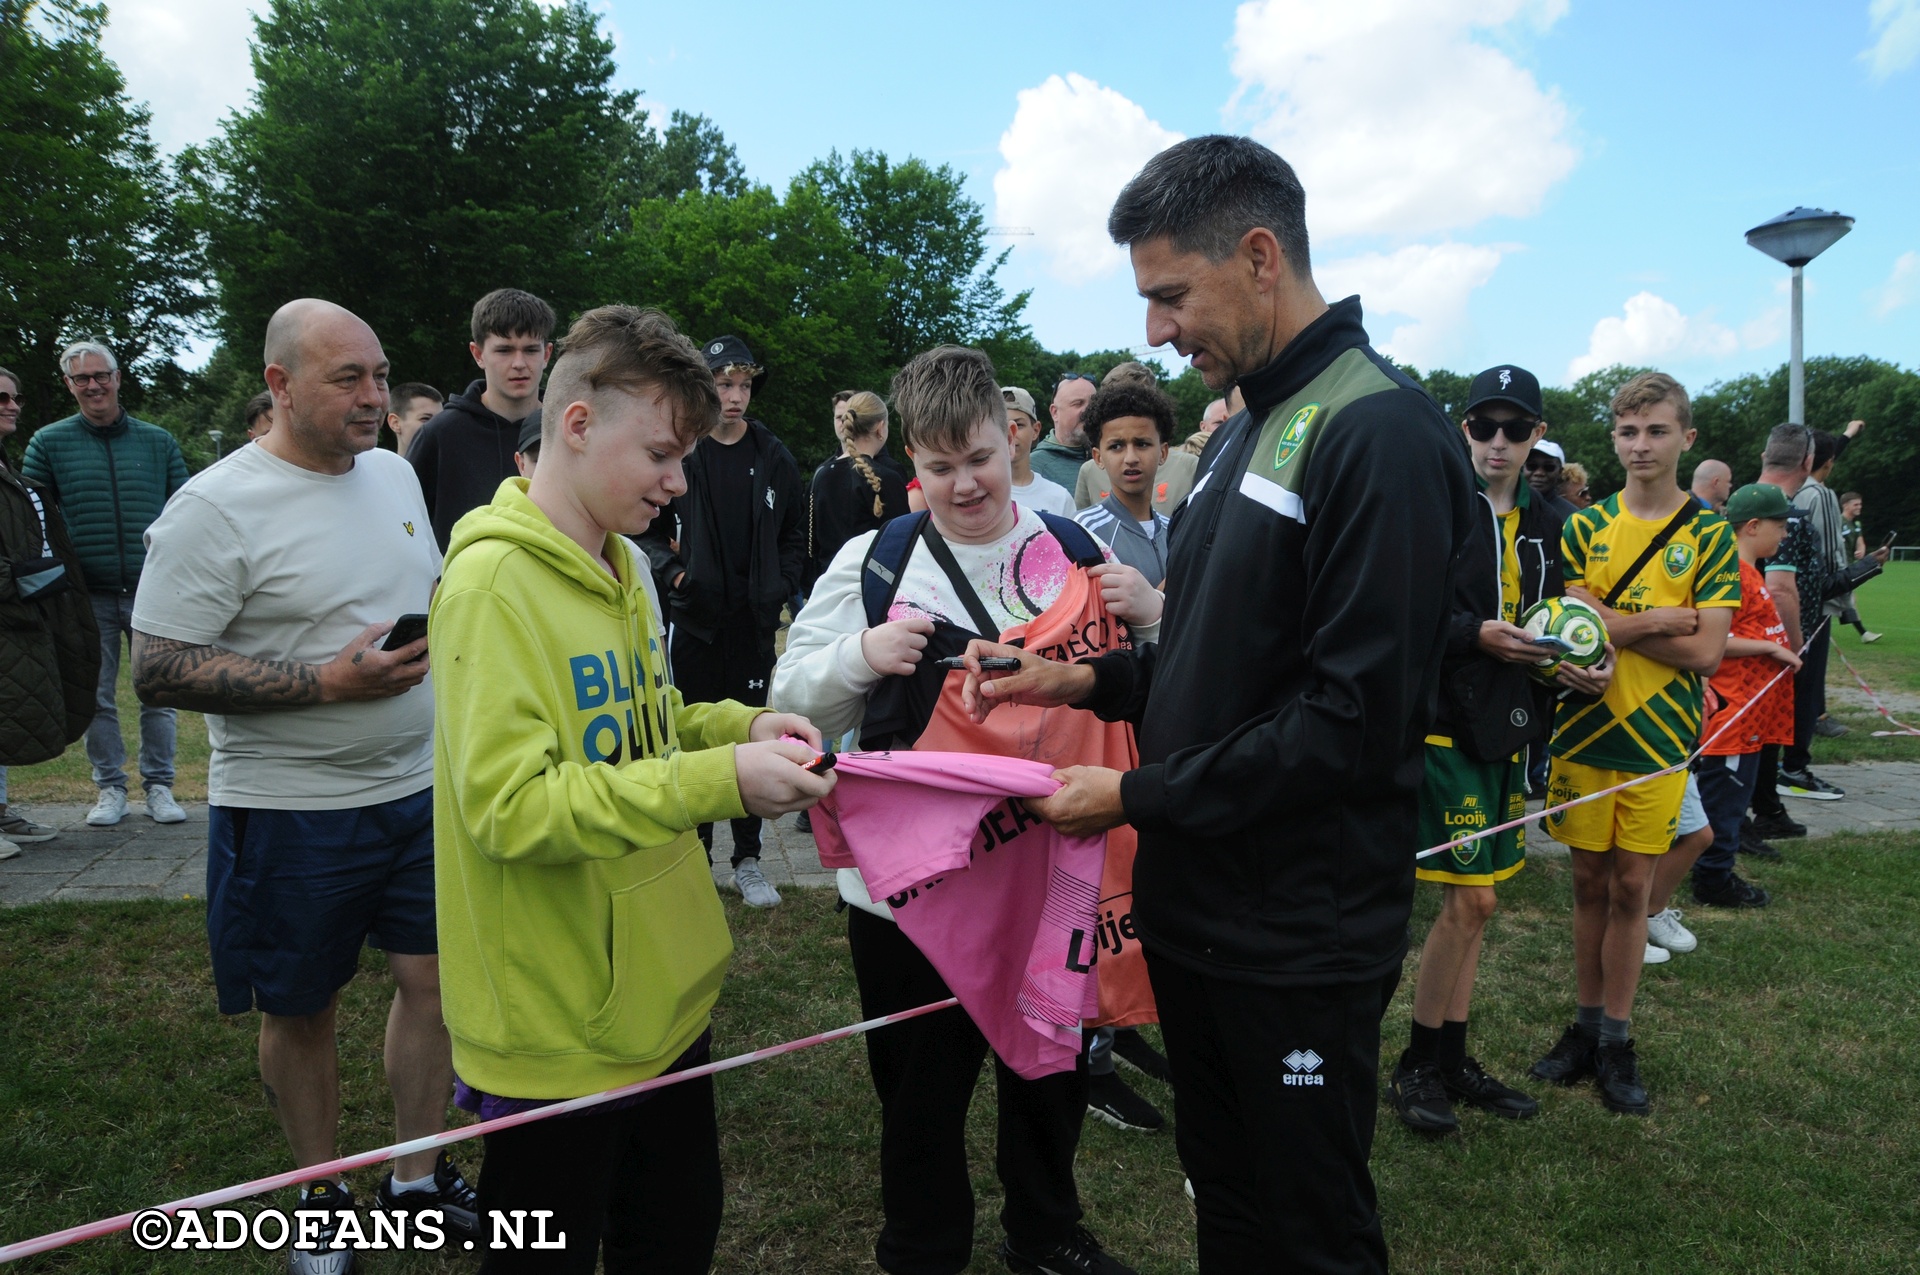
(1143,795)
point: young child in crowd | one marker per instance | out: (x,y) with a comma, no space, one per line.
(1130,427)
(1031,490)
(1757,649)
(979,564)
(582,943)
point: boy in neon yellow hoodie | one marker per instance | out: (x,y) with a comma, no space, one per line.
(582,943)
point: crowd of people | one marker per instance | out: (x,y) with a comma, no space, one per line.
(495,739)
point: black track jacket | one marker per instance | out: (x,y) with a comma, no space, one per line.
(1281,717)
(779,541)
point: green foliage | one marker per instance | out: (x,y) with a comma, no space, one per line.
(926,240)
(404,157)
(89,244)
(785,275)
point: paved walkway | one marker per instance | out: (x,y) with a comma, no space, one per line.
(140,859)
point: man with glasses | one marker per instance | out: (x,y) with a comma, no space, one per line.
(112,474)
(1545,464)
(1058,457)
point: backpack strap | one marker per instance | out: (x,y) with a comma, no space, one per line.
(1082,549)
(880,573)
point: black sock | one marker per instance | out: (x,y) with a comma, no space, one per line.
(1453,1045)
(1587,1018)
(1615,1031)
(1425,1044)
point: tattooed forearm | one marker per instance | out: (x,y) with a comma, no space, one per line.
(208,679)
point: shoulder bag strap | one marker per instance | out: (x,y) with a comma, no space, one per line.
(1655,545)
(982,622)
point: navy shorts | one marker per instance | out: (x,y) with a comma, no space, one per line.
(292,894)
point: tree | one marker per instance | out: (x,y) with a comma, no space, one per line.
(784,275)
(404,157)
(926,239)
(89,244)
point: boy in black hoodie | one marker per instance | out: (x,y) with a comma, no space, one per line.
(727,556)
(464,452)
(1490,710)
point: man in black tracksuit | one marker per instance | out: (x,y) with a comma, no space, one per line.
(727,556)
(1277,787)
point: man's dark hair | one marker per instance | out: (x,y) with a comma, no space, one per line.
(257,406)
(842,397)
(1206,193)
(1124,398)
(1825,447)
(943,394)
(1786,447)
(401,397)
(510,312)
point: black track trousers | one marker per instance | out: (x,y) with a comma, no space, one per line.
(925,1070)
(1275,1090)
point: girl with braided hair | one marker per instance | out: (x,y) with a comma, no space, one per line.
(857,490)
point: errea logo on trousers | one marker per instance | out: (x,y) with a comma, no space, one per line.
(1303,1064)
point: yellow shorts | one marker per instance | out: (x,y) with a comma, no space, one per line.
(1642,818)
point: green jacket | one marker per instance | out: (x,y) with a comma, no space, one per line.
(582,944)
(112,483)
(50,647)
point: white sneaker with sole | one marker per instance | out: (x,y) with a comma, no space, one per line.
(109,810)
(753,887)
(1664,930)
(23,831)
(1656,955)
(162,808)
(8,849)
(1870,636)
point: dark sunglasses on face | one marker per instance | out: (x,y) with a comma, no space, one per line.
(1517,431)
(1542,462)
(8,400)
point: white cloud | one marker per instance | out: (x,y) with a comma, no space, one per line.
(1426,283)
(1901,287)
(1896,44)
(1397,118)
(187,59)
(1071,147)
(1648,329)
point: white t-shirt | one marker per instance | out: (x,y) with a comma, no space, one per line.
(1043,495)
(261,557)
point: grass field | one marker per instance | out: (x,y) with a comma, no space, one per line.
(1782,1136)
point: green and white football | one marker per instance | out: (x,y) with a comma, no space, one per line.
(1574,623)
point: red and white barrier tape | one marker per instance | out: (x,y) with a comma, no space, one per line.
(1882,708)
(1637,779)
(259,1186)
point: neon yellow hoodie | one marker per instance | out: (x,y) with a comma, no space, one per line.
(582,943)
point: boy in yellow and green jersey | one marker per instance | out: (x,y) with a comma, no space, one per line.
(1664,572)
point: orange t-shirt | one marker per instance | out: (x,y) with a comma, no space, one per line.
(1741,677)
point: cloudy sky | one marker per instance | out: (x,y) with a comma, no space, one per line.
(1557,183)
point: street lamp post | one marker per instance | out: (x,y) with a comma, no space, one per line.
(214,434)
(1795,238)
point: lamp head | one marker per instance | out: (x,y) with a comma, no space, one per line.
(1797,237)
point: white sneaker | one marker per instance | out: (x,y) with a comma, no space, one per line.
(8,849)
(1869,636)
(162,808)
(753,887)
(1656,955)
(1664,929)
(110,809)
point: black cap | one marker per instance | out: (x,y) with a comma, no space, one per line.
(529,431)
(731,351)
(1506,384)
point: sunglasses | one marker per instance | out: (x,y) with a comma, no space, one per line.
(8,400)
(1079,376)
(1517,431)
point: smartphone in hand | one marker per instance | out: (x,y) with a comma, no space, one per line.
(407,629)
